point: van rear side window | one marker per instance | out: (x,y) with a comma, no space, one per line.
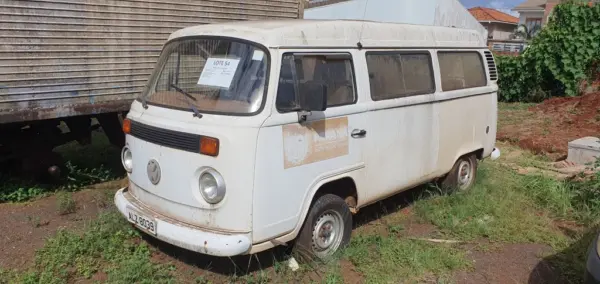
(400,74)
(461,70)
(333,70)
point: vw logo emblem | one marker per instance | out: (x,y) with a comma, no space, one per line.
(153,170)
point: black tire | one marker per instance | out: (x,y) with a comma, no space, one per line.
(453,182)
(322,211)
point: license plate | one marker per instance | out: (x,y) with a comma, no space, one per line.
(145,223)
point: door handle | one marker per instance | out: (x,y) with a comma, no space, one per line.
(358,133)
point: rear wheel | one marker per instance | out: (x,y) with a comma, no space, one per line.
(327,228)
(463,174)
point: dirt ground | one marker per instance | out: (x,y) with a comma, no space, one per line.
(547,128)
(25,227)
(23,234)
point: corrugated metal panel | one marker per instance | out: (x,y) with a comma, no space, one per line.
(70,57)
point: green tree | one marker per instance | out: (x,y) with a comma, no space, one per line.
(558,58)
(522,31)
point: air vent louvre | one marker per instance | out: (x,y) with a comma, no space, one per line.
(489,57)
(165,137)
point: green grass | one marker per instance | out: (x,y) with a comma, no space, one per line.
(496,208)
(571,261)
(514,106)
(507,207)
(109,246)
(393,260)
(86,165)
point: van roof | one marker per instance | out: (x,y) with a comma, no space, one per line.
(337,33)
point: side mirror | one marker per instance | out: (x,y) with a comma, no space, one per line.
(312,97)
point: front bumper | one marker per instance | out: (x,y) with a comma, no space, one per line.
(184,235)
(592,272)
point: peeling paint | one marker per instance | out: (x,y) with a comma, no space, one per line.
(314,141)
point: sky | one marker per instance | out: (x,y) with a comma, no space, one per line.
(501,5)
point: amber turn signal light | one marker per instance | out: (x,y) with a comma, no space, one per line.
(126,126)
(209,146)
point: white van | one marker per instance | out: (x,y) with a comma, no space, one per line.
(255,134)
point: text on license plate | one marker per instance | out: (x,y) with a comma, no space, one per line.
(146,223)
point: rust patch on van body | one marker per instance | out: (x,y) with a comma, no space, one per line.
(314,141)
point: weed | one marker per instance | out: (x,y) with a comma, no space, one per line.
(260,277)
(36,222)
(579,200)
(573,110)
(202,280)
(495,208)
(8,276)
(395,229)
(279,266)
(103,198)
(391,259)
(332,277)
(106,246)
(65,203)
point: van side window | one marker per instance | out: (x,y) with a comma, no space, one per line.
(335,71)
(461,70)
(400,74)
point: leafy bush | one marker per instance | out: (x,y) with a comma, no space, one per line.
(17,190)
(557,60)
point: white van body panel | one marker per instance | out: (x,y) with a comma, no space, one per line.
(402,146)
(294,160)
(273,165)
(177,195)
(338,33)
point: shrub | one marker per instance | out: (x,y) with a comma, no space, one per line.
(558,59)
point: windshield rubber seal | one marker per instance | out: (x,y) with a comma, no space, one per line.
(239,40)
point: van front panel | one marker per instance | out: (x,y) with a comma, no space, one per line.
(177,193)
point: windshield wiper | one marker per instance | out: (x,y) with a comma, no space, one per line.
(183,92)
(190,105)
(144,102)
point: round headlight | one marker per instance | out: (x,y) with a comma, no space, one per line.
(212,186)
(127,159)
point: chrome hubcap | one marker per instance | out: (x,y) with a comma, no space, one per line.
(464,174)
(327,233)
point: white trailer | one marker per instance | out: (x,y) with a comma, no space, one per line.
(71,60)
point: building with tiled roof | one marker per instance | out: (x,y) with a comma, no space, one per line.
(534,13)
(500,25)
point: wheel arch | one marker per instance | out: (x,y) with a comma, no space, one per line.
(327,185)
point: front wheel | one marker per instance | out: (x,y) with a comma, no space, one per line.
(327,227)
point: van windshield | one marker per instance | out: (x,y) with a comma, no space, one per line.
(221,76)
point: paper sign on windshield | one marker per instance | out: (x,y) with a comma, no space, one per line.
(218,72)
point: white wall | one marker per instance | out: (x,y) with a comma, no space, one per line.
(422,12)
(502,31)
(524,15)
(502,35)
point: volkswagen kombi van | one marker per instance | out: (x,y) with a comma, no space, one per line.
(256,134)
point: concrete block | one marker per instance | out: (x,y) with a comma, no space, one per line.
(584,151)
